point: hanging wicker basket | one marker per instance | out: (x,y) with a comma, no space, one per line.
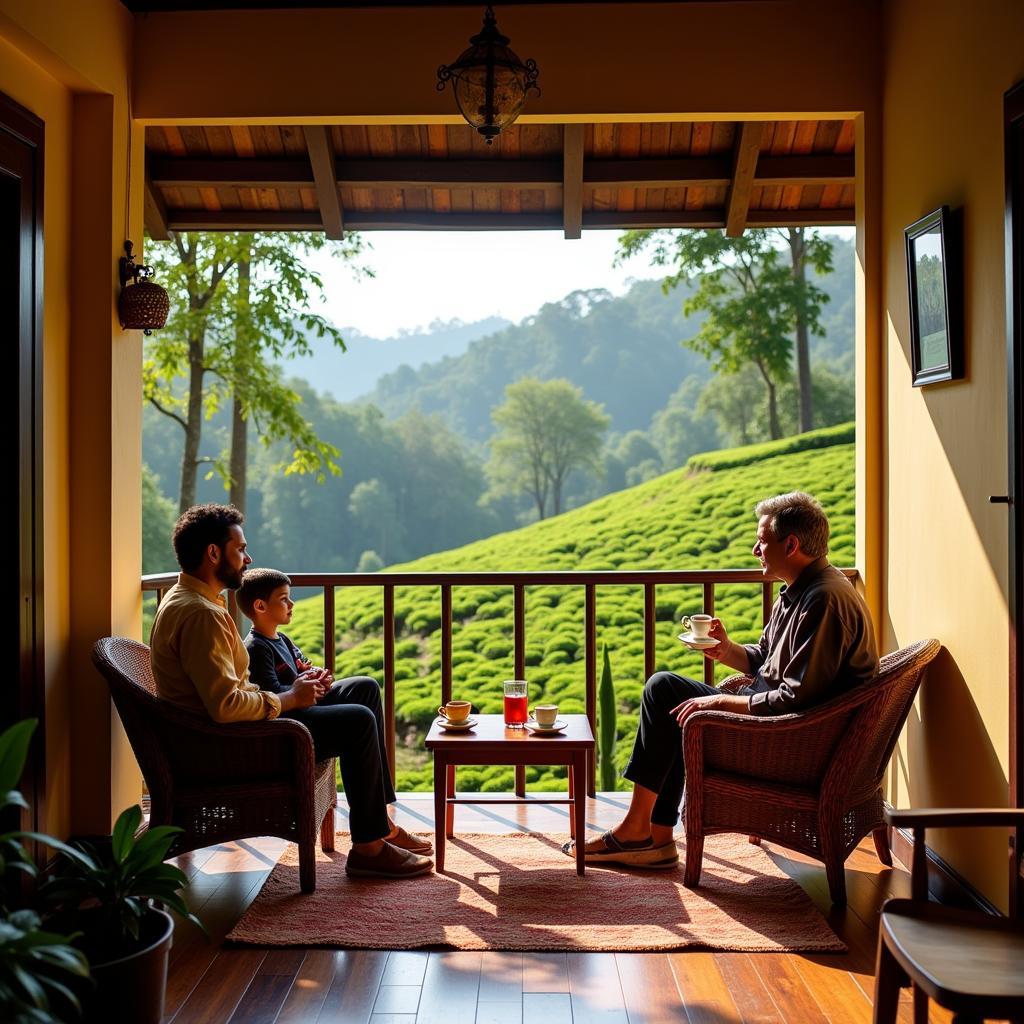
(143,306)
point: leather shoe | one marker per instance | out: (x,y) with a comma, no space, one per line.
(407,841)
(391,862)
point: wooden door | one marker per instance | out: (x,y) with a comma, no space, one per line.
(21,415)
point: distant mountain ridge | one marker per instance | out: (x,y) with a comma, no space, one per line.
(624,352)
(347,375)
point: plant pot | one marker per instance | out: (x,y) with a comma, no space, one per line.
(132,987)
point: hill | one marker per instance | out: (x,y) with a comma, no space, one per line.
(690,518)
(623,351)
(347,375)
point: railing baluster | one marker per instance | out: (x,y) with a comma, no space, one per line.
(649,630)
(329,651)
(519,645)
(709,609)
(766,602)
(446,642)
(389,674)
(590,654)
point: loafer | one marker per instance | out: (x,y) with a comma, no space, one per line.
(391,862)
(407,841)
(642,854)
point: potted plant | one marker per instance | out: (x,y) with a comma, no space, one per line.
(108,897)
(39,968)
(103,901)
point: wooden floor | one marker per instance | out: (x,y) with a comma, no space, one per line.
(247,985)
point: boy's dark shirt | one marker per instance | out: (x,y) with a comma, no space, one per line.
(273,664)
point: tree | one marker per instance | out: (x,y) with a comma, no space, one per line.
(681,429)
(545,430)
(754,302)
(157,525)
(239,300)
(372,506)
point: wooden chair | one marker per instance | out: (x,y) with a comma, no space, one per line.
(810,781)
(968,961)
(220,782)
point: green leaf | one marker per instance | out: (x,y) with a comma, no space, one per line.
(123,836)
(14,743)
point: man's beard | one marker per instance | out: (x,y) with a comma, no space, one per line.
(231,578)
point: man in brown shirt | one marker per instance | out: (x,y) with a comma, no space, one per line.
(201,664)
(818,643)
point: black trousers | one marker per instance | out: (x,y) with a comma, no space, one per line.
(348,723)
(657,759)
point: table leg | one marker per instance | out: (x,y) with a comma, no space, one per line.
(440,808)
(579,808)
(449,810)
(572,796)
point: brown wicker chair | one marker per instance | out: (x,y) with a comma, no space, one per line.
(810,781)
(220,782)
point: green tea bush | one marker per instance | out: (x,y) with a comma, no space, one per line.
(682,520)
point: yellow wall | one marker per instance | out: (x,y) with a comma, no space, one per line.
(68,62)
(609,60)
(947,67)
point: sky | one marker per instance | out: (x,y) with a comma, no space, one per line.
(423,276)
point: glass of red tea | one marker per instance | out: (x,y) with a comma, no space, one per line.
(515,703)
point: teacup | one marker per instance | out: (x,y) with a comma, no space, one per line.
(456,711)
(545,715)
(698,625)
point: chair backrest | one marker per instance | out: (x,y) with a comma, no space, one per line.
(126,666)
(863,755)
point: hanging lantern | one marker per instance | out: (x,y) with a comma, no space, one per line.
(143,305)
(489,81)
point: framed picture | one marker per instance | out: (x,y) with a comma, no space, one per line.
(935,278)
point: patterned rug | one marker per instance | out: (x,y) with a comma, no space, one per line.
(519,891)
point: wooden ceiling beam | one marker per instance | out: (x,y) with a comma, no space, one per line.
(744,164)
(154,211)
(806,170)
(197,172)
(710,172)
(321,159)
(309,220)
(572,180)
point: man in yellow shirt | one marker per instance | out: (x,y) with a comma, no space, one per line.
(201,664)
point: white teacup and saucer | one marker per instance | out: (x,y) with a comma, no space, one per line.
(544,720)
(697,629)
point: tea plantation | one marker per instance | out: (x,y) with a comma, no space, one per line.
(699,517)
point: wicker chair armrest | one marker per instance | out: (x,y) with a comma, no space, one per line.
(280,741)
(956,817)
(733,683)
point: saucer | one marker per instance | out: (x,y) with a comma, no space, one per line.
(558,726)
(457,726)
(698,641)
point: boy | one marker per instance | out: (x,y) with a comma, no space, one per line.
(347,708)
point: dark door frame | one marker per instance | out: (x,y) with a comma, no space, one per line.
(21,166)
(1013,119)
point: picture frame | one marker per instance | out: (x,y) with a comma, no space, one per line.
(935,280)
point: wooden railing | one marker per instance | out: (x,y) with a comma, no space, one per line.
(708,579)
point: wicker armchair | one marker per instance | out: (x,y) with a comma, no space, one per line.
(220,782)
(810,781)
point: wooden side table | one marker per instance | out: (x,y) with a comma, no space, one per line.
(492,742)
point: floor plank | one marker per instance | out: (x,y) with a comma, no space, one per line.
(705,994)
(649,989)
(211,983)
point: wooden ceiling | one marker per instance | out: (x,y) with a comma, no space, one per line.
(444,177)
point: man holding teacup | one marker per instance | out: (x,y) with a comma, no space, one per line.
(818,643)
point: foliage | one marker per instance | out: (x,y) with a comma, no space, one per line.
(606,725)
(546,429)
(752,298)
(39,968)
(231,334)
(108,895)
(679,520)
(158,516)
(730,458)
